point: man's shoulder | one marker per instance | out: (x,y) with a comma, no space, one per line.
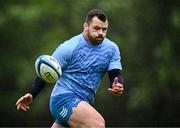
(74,38)
(110,43)
(72,42)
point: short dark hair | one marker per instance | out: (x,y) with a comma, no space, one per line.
(95,13)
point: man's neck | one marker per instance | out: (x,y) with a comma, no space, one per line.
(87,39)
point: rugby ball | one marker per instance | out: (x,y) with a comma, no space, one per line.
(48,68)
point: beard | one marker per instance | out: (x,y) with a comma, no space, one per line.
(95,40)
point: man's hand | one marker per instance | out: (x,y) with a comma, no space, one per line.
(116,89)
(24,102)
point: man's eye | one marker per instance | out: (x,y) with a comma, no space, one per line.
(96,28)
(104,29)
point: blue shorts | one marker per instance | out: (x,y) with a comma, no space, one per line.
(61,107)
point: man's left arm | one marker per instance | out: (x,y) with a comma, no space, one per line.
(116,82)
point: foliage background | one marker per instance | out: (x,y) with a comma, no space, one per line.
(147,32)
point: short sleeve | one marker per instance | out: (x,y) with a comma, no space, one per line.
(115,62)
(63,54)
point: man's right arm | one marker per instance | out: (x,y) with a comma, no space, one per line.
(37,87)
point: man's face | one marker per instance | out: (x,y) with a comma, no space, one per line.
(96,30)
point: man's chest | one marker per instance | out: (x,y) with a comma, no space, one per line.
(92,58)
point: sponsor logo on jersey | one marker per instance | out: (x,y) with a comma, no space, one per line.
(64,111)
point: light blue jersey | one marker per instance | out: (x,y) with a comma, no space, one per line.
(84,65)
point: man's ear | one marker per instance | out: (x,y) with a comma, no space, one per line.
(85,25)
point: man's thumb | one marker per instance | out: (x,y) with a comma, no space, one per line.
(115,80)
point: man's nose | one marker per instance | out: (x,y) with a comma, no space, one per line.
(100,32)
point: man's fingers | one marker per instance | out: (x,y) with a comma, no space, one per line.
(116,80)
(23,102)
(118,88)
(23,108)
(110,89)
(27,107)
(26,99)
(20,100)
(116,83)
(18,106)
(21,105)
(115,92)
